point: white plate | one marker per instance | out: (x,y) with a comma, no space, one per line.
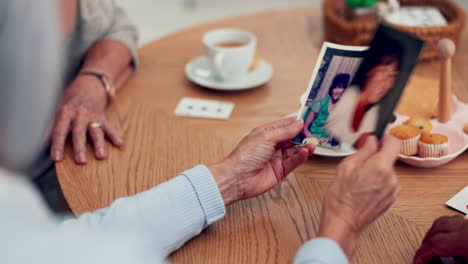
(458,140)
(198,71)
(344,150)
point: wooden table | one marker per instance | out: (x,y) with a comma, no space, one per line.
(270,228)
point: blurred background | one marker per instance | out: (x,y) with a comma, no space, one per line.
(157,18)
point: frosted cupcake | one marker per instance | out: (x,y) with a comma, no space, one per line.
(433,146)
(409,136)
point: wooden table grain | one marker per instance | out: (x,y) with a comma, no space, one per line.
(270,228)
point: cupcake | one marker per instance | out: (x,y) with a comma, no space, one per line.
(409,137)
(422,124)
(433,146)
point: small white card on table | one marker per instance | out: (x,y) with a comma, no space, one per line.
(200,108)
(460,201)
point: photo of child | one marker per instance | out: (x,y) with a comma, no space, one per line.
(336,67)
(318,111)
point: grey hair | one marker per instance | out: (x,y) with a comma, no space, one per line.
(30,52)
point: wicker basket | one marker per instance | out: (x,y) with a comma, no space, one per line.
(360,32)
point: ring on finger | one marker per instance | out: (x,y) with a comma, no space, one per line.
(95,125)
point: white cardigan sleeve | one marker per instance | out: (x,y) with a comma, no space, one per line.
(145,228)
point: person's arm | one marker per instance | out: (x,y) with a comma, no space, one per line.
(147,227)
(113,55)
(310,118)
(112,59)
(163,218)
(321,251)
(364,188)
(314,110)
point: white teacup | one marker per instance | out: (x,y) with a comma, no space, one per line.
(230,52)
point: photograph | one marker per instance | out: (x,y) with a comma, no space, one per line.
(367,106)
(335,68)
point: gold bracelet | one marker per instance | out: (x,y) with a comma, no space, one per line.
(108,87)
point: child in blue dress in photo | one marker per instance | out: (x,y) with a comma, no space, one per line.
(318,111)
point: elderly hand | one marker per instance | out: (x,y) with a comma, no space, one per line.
(364,188)
(447,237)
(83,104)
(261,161)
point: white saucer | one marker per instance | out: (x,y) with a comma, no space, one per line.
(199,72)
(344,150)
